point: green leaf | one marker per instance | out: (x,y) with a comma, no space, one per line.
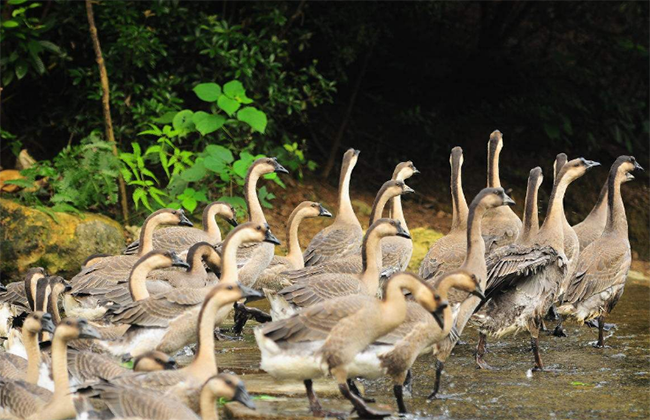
(21,182)
(235,201)
(16,2)
(194,173)
(219,152)
(552,131)
(50,47)
(214,164)
(153,149)
(230,106)
(189,203)
(235,90)
(240,168)
(208,92)
(21,69)
(183,120)
(9,23)
(209,123)
(138,194)
(253,117)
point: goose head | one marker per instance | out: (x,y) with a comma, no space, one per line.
(59,285)
(626,165)
(254,232)
(456,155)
(493,197)
(73,328)
(229,386)
(560,160)
(267,165)
(495,144)
(152,361)
(313,209)
(388,227)
(34,274)
(424,294)
(404,170)
(224,210)
(394,188)
(576,168)
(227,293)
(170,217)
(535,177)
(160,259)
(38,321)
(350,157)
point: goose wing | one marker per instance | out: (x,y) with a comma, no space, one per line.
(446,254)
(96,278)
(174,238)
(351,264)
(15,295)
(85,366)
(320,288)
(333,242)
(22,399)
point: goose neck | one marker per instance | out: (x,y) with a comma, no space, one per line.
(146,234)
(295,254)
(459,204)
(205,362)
(207,405)
(210,225)
(138,281)
(616,220)
(33,356)
(255,212)
(345,210)
(371,261)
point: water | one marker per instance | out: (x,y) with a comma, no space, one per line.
(583,382)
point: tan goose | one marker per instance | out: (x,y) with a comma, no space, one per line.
(501,225)
(294,259)
(165,321)
(18,297)
(352,264)
(13,367)
(526,279)
(253,258)
(530,222)
(199,255)
(185,383)
(593,226)
(600,278)
(143,404)
(473,263)
(179,239)
(448,252)
(343,237)
(329,285)
(326,338)
(85,366)
(108,271)
(27,401)
(396,251)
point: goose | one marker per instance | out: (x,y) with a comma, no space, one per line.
(329,285)
(85,366)
(132,287)
(294,259)
(599,280)
(523,281)
(13,367)
(343,237)
(448,252)
(93,259)
(530,222)
(396,252)
(179,239)
(165,321)
(185,383)
(501,224)
(18,297)
(26,401)
(474,263)
(352,264)
(593,226)
(199,255)
(108,271)
(326,338)
(134,403)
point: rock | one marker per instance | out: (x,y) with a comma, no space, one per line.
(283,408)
(423,238)
(32,238)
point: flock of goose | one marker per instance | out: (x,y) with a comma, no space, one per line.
(344,308)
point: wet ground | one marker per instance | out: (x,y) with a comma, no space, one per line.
(583,382)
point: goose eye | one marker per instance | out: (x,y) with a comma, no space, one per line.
(228,381)
(259,228)
(229,287)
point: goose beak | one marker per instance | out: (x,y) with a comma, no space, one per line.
(591,164)
(270,238)
(280,169)
(184,220)
(232,222)
(638,167)
(67,287)
(508,201)
(46,323)
(356,152)
(402,233)
(324,212)
(415,171)
(242,396)
(408,190)
(629,176)
(478,292)
(170,364)
(247,292)
(178,261)
(3,288)
(437,314)
(87,331)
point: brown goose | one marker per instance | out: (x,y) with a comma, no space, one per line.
(85,366)
(600,278)
(500,225)
(294,259)
(165,321)
(199,255)
(18,297)
(27,401)
(108,271)
(474,264)
(523,281)
(593,226)
(343,237)
(352,264)
(179,239)
(321,287)
(448,252)
(326,338)
(530,221)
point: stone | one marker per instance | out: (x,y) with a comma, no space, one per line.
(59,244)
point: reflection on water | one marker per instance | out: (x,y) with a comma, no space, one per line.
(584,382)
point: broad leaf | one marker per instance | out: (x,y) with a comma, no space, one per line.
(208,92)
(194,173)
(235,90)
(183,120)
(214,164)
(210,123)
(253,117)
(219,152)
(230,106)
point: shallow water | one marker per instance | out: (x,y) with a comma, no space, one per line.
(583,382)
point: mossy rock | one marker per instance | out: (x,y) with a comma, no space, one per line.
(423,238)
(32,238)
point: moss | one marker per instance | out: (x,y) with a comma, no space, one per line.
(361,208)
(423,238)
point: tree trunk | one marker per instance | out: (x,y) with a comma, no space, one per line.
(108,123)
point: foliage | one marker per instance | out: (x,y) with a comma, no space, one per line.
(79,178)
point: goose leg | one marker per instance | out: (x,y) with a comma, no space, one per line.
(593,323)
(355,390)
(408,382)
(559,331)
(481,348)
(362,409)
(314,404)
(399,397)
(436,385)
(601,334)
(534,343)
